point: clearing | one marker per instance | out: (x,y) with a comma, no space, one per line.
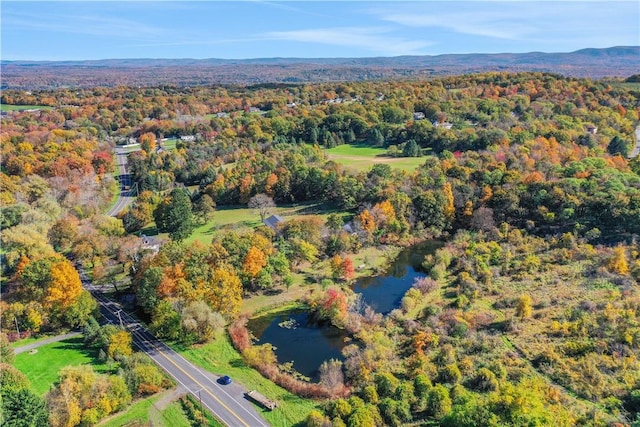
(362,157)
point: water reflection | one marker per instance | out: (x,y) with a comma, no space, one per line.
(384,293)
(300,339)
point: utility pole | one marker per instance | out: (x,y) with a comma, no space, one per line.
(120,318)
(201,411)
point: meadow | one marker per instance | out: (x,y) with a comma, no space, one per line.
(157,410)
(242,217)
(362,157)
(5,107)
(43,365)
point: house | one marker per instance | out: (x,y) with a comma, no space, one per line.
(592,130)
(150,243)
(419,115)
(273,221)
(445,125)
(188,138)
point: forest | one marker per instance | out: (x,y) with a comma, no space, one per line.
(528,313)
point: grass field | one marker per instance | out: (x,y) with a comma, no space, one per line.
(362,157)
(242,217)
(43,366)
(221,358)
(147,410)
(169,144)
(626,85)
(5,107)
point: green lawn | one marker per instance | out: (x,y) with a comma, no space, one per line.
(362,157)
(43,366)
(169,144)
(242,217)
(147,411)
(220,358)
(5,107)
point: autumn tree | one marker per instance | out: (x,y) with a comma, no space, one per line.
(331,376)
(618,262)
(254,262)
(261,203)
(524,308)
(201,321)
(7,355)
(148,142)
(223,291)
(83,396)
(342,268)
(119,344)
(102,162)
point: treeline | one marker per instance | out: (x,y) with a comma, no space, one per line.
(527,171)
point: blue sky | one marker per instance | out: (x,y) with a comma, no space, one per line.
(65,30)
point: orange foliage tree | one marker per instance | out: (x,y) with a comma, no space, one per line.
(64,286)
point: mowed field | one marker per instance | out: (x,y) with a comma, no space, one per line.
(226,217)
(5,107)
(362,157)
(43,365)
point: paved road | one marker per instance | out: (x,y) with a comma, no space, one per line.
(636,149)
(226,402)
(22,349)
(126,195)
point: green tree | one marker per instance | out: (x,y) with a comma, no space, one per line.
(22,408)
(411,149)
(11,377)
(174,215)
(6,351)
(439,403)
(618,145)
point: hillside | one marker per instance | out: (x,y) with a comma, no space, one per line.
(593,63)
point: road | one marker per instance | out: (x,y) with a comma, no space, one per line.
(126,195)
(226,402)
(22,349)
(636,149)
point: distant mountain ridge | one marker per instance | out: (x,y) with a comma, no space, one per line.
(618,61)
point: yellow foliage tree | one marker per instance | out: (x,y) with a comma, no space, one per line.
(64,286)
(524,308)
(618,262)
(449,208)
(223,291)
(367,221)
(487,194)
(148,142)
(119,344)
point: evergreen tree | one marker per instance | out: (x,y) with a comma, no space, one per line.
(174,215)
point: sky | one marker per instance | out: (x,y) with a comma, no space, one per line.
(67,30)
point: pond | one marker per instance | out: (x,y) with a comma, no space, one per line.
(300,339)
(384,293)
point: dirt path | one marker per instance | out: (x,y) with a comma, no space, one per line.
(37,344)
(170,396)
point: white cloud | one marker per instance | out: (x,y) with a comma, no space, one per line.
(375,39)
(516,20)
(92,25)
